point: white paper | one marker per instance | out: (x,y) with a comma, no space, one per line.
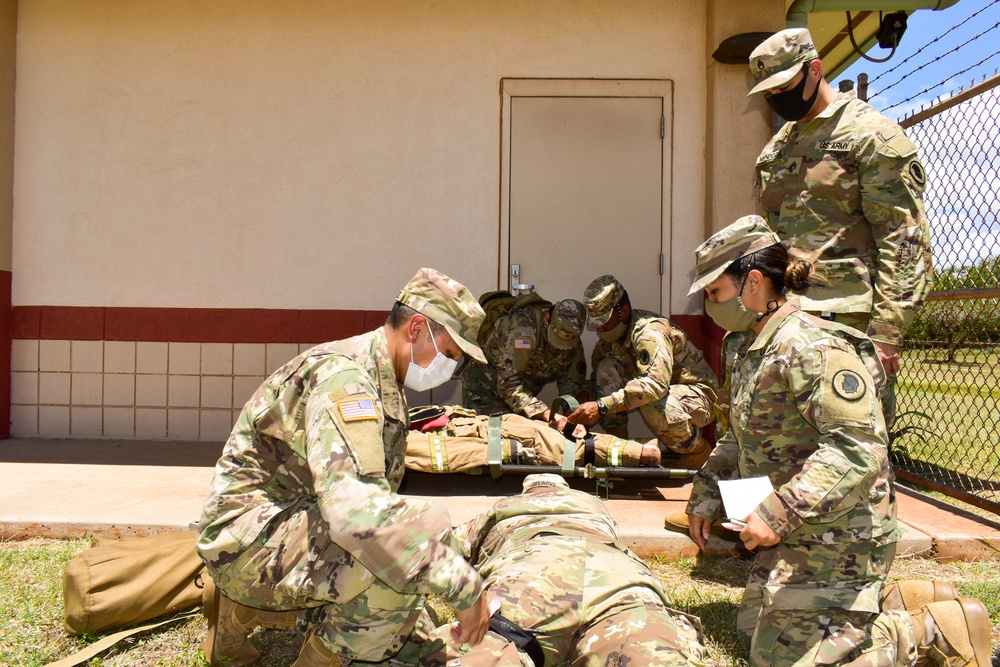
(741,496)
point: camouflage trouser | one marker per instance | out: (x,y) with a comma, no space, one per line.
(860,321)
(587,604)
(294,565)
(818,604)
(672,419)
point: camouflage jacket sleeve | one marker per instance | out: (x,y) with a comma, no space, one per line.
(654,361)
(405,542)
(705,500)
(892,184)
(515,339)
(574,380)
(849,454)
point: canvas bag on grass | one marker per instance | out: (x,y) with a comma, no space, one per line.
(121,582)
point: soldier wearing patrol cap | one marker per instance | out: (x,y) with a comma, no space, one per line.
(303,514)
(643,361)
(843,186)
(526,349)
(804,414)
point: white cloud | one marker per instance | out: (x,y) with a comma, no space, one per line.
(960,150)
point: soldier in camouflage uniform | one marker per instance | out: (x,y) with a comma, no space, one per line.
(525,350)
(804,413)
(303,513)
(843,187)
(552,559)
(456,439)
(643,361)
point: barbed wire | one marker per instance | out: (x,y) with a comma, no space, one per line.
(941,83)
(943,55)
(936,39)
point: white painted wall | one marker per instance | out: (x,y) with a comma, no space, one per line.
(302,154)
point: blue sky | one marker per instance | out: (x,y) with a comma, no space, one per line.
(959,147)
(923,26)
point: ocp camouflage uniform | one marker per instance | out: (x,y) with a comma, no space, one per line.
(552,557)
(844,191)
(805,414)
(656,369)
(521,362)
(462,445)
(303,512)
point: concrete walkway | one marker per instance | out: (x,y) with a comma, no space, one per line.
(69,488)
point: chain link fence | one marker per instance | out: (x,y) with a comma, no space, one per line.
(947,433)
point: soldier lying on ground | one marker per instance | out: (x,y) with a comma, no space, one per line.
(553,564)
(456,439)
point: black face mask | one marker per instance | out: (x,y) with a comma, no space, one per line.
(789,104)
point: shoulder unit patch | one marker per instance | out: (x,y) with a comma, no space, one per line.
(849,385)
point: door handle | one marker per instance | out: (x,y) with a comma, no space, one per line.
(515,282)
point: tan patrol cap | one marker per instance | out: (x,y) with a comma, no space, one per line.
(450,304)
(539,480)
(568,318)
(600,298)
(744,237)
(779,58)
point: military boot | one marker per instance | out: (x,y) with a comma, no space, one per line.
(952,633)
(314,653)
(230,624)
(911,595)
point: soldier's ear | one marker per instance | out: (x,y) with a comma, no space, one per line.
(415,326)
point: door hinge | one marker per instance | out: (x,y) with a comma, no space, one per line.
(663,125)
(661,263)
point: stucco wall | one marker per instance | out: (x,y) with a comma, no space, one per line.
(301,154)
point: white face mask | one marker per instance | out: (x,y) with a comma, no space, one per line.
(439,371)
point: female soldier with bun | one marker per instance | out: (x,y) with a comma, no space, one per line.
(805,413)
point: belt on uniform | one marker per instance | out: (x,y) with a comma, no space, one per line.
(523,639)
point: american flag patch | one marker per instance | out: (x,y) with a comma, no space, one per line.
(522,343)
(357,409)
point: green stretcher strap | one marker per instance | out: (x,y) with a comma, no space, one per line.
(569,457)
(494,447)
(566,405)
(567,401)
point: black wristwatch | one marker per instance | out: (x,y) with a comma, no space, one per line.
(602,408)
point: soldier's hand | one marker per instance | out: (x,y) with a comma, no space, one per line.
(586,414)
(699,529)
(888,354)
(472,623)
(558,421)
(758,533)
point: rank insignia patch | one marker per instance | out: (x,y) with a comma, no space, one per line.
(849,385)
(357,409)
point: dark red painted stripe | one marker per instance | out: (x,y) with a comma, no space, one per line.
(187,325)
(5,338)
(706,336)
(229,325)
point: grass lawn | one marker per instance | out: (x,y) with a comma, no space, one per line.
(952,409)
(32,634)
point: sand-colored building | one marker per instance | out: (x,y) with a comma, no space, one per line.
(191,192)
